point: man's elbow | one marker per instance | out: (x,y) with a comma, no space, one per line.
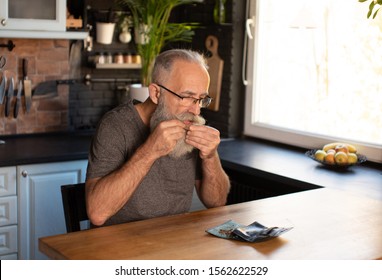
(95,218)
(217,202)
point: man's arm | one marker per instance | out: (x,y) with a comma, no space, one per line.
(105,196)
(215,185)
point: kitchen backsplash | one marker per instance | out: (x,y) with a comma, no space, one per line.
(73,106)
(47,60)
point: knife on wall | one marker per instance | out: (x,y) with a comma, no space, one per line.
(27,86)
(18,99)
(10,93)
(3,86)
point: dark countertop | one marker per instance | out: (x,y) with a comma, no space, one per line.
(43,148)
(284,164)
(290,166)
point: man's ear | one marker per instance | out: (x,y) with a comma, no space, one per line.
(154,93)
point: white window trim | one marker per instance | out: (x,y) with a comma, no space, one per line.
(276,134)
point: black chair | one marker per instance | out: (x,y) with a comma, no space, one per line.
(73,200)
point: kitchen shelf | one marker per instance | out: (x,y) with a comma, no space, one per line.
(118,66)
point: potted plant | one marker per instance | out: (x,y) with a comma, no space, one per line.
(153,29)
(105,27)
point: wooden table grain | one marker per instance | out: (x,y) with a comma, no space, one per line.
(328,225)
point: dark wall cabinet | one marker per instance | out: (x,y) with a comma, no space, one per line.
(246,187)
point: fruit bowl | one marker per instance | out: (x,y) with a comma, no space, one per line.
(311,154)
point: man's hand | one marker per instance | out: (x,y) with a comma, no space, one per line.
(165,136)
(204,138)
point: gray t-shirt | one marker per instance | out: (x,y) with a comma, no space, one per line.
(167,188)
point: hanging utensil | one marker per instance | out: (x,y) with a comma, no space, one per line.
(18,99)
(3,86)
(49,88)
(10,93)
(3,83)
(3,61)
(215,69)
(75,56)
(27,86)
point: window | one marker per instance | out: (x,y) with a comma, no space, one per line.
(314,73)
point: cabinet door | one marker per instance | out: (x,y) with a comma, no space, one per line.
(8,239)
(7,181)
(45,15)
(41,211)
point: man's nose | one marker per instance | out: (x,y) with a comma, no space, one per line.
(195,109)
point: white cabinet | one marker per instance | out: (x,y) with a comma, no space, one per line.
(40,205)
(42,19)
(8,213)
(41,15)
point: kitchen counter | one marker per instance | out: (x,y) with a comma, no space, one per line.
(290,167)
(44,148)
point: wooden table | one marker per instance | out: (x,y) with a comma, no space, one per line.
(328,224)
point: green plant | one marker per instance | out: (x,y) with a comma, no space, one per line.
(154,15)
(373,4)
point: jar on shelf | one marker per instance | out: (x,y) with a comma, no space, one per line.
(101,58)
(118,58)
(109,58)
(137,59)
(128,58)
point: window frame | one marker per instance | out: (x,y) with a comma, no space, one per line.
(278,134)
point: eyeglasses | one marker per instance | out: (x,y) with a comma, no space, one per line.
(188,101)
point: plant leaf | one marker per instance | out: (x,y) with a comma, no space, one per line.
(156,14)
(371,7)
(375,14)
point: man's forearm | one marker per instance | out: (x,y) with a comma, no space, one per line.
(215,183)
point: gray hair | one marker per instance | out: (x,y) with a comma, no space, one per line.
(164,62)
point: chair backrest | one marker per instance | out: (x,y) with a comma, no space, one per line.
(73,200)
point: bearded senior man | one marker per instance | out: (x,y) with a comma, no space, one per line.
(146,159)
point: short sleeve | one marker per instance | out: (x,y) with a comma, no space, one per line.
(107,149)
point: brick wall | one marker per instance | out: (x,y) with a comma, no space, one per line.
(88,103)
(76,106)
(47,60)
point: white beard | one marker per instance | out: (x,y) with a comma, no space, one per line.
(161,114)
